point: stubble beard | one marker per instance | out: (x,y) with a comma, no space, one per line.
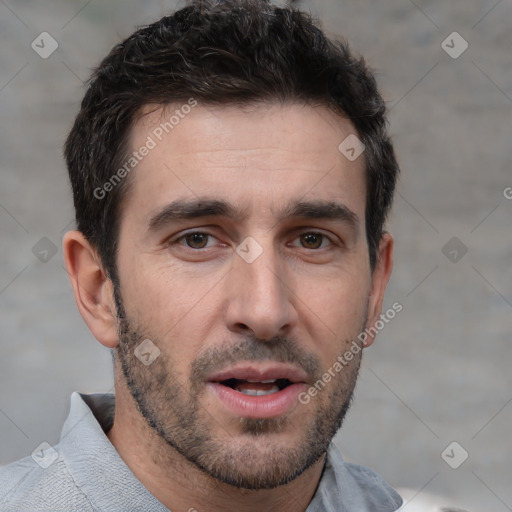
(253,458)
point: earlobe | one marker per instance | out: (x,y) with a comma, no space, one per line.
(92,289)
(380,279)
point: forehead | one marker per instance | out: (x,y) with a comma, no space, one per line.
(260,156)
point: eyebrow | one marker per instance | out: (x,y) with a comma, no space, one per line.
(183,209)
(330,210)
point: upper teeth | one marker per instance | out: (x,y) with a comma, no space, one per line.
(261,381)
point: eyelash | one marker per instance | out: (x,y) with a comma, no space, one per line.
(183,237)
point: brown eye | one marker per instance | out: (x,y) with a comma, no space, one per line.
(196,240)
(311,240)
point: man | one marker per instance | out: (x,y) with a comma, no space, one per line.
(231,176)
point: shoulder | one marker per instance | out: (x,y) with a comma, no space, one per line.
(25,487)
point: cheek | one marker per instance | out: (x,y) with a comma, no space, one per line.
(170,304)
(152,290)
(333,314)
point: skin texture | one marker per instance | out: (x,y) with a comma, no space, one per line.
(301,301)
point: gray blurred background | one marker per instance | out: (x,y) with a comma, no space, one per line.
(439,371)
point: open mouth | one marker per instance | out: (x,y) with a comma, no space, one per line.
(257,388)
(264,390)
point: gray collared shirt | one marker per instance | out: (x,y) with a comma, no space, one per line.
(84,472)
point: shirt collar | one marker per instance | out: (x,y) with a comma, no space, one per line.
(97,468)
(93,462)
(347,487)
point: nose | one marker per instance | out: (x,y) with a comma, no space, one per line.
(260,297)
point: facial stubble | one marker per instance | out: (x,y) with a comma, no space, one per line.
(252,458)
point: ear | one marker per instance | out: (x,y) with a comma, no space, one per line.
(380,278)
(93,291)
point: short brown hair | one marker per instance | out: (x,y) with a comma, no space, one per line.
(220,52)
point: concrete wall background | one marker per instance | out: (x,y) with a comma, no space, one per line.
(438,373)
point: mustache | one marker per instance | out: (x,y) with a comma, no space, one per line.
(279,349)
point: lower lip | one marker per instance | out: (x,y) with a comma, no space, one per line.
(263,406)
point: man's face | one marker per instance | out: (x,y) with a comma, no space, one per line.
(243,258)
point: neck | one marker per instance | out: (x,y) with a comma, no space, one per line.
(180,485)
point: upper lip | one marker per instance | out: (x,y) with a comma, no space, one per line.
(260,373)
